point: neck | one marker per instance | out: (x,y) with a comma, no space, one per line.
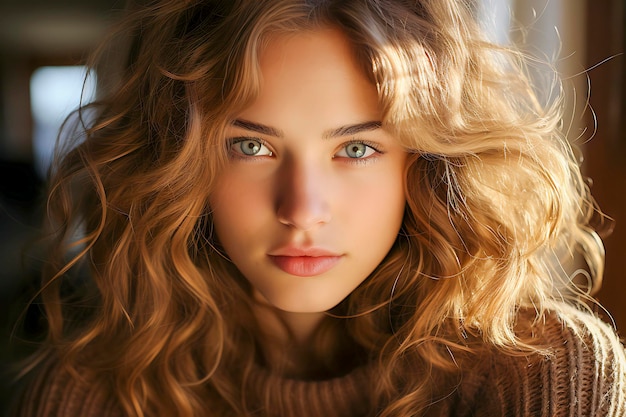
(288,340)
(296,344)
(286,327)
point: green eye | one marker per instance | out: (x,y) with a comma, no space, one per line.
(249,147)
(356,150)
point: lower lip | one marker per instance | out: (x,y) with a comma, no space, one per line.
(305,266)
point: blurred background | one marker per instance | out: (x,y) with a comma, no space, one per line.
(43,46)
(44,43)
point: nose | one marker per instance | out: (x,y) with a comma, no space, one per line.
(302,197)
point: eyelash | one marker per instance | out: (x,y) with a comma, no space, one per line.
(372,145)
(231,142)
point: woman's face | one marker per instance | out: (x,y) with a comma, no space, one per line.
(313,196)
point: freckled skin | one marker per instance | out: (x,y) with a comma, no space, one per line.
(306,188)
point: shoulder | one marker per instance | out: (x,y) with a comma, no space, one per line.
(53,391)
(580,370)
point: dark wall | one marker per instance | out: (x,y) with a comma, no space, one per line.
(606,152)
(33,33)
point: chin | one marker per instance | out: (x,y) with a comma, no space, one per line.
(304,307)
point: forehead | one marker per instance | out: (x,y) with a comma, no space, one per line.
(313,72)
(306,48)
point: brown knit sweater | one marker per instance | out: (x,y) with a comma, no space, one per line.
(585,375)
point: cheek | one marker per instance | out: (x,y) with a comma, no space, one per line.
(375,213)
(388,213)
(381,198)
(391,202)
(236,202)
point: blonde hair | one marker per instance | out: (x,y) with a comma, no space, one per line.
(493,192)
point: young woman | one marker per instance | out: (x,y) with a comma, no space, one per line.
(321,208)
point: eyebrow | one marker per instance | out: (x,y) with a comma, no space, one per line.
(258,128)
(346,130)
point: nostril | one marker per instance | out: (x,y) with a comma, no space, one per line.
(303,208)
(302,216)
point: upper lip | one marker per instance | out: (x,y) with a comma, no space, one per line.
(301,251)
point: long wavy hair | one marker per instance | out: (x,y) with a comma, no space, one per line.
(495,202)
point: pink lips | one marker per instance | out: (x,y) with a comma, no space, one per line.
(304,262)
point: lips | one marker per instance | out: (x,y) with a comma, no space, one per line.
(305,262)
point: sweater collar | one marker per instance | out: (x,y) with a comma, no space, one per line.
(274,395)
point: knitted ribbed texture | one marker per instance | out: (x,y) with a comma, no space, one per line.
(338,397)
(584,376)
(55,394)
